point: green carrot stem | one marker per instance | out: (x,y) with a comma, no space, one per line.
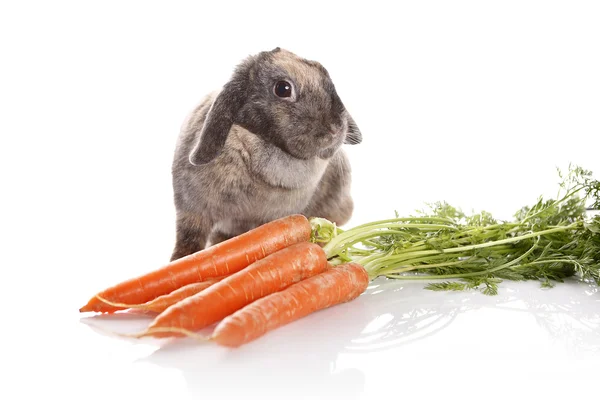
(468,274)
(366,231)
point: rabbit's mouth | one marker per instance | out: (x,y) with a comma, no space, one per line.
(331,140)
(322,144)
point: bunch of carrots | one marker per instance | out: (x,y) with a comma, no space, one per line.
(291,267)
(250,284)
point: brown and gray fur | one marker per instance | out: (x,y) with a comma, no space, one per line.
(245,156)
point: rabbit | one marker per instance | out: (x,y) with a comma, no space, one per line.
(266,145)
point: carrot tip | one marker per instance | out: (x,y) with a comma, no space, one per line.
(114,304)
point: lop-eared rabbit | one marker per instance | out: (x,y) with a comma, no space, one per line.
(267,145)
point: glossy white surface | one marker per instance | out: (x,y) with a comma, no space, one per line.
(396,339)
(471,102)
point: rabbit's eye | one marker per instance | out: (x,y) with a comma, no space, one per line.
(283,89)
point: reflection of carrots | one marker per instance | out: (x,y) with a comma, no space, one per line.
(269,275)
(163,302)
(334,286)
(222,259)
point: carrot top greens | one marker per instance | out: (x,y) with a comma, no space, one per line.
(549,241)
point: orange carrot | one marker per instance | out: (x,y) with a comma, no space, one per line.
(336,285)
(161,303)
(271,274)
(224,258)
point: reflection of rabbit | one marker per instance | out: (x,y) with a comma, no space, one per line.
(267,145)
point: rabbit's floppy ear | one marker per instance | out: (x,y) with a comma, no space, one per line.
(221,116)
(353,136)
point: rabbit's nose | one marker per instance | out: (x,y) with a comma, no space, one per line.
(335,129)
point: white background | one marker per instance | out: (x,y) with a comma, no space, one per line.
(471,102)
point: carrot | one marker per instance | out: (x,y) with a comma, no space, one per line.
(161,303)
(271,274)
(224,258)
(334,286)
